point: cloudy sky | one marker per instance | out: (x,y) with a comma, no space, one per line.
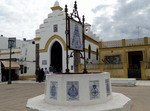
(110,19)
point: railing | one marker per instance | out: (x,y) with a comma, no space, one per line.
(117,43)
(90,66)
(126,42)
(113,66)
(105,66)
(134,42)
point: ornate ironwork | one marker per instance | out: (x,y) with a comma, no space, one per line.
(72,54)
(85,69)
(67,31)
(72,16)
(75,13)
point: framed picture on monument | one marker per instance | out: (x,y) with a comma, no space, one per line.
(76,35)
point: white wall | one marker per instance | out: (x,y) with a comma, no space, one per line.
(3,43)
(24,49)
(45,31)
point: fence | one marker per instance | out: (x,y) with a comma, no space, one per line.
(113,66)
(90,66)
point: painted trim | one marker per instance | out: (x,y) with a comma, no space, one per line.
(22,77)
(56,8)
(91,40)
(37,39)
(127,48)
(45,22)
(50,40)
(8,49)
(9,53)
(60,14)
(93,52)
(50,16)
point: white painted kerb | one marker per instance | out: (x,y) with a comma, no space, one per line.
(119,102)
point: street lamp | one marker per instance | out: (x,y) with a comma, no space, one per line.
(11,42)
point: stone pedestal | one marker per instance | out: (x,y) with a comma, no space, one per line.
(79,92)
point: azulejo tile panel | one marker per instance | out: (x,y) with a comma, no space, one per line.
(107,87)
(94,89)
(72,90)
(53,89)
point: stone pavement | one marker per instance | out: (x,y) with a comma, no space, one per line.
(13,97)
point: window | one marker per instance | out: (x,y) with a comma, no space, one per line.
(115,59)
(21,69)
(89,52)
(96,54)
(55,28)
(25,69)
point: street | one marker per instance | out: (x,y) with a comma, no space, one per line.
(14,97)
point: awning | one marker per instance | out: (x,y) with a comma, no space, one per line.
(14,65)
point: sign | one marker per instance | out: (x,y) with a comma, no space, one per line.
(76,39)
(12,42)
(44,62)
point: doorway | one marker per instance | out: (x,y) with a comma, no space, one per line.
(56,57)
(5,74)
(134,70)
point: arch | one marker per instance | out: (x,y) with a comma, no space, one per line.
(50,40)
(56,56)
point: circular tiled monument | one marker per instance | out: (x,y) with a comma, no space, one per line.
(78,89)
(79,92)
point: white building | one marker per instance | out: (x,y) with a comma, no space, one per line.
(23,59)
(51,42)
(49,49)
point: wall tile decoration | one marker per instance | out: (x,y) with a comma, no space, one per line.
(94,89)
(107,87)
(53,89)
(72,90)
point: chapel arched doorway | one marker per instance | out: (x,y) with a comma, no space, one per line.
(56,57)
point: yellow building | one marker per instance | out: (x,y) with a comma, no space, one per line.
(127,58)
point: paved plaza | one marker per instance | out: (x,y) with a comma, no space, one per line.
(14,97)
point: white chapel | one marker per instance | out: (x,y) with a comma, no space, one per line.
(50,43)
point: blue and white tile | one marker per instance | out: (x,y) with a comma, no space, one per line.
(72,90)
(94,89)
(53,89)
(107,83)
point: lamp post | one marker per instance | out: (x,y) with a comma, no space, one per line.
(67,31)
(10,45)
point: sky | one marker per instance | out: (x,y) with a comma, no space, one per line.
(109,19)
